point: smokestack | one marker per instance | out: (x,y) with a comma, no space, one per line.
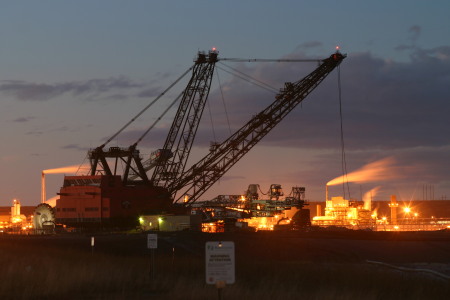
(43,194)
(319,210)
(326,192)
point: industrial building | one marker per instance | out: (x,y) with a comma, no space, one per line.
(170,222)
(16,218)
(393,215)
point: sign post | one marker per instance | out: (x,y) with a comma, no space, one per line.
(220,266)
(152,244)
(92,244)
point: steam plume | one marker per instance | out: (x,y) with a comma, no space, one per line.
(68,169)
(380,170)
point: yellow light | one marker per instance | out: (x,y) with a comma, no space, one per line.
(407,210)
(141,220)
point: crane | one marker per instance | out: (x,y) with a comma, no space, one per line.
(104,196)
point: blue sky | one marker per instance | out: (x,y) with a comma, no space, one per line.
(73,72)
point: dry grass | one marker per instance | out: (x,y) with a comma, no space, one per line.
(40,271)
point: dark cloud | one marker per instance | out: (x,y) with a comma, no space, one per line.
(415,32)
(308,45)
(150,92)
(34,132)
(74,147)
(29,91)
(153,140)
(23,119)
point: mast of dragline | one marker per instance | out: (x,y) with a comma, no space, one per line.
(179,141)
(202,175)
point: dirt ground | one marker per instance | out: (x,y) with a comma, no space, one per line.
(322,257)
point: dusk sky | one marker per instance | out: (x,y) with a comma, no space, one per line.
(74,72)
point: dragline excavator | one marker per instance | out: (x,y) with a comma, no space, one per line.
(108,198)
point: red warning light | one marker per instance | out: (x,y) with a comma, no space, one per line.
(337,48)
(214,48)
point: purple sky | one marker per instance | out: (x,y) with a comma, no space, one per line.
(74,73)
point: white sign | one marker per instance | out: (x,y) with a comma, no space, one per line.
(152,241)
(219,262)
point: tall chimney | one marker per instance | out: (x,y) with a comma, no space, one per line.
(43,194)
(326,192)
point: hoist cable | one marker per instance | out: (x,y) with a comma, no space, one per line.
(212,122)
(223,101)
(343,159)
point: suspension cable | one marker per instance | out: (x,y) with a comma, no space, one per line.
(270,60)
(159,118)
(147,107)
(343,160)
(248,78)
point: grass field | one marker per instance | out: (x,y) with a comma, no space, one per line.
(67,267)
